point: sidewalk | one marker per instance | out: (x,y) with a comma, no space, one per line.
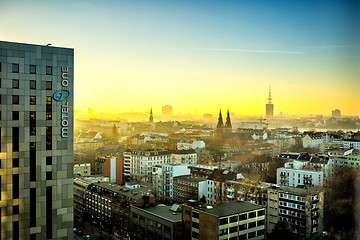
(94,231)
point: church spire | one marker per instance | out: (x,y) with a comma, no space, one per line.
(228,121)
(151,119)
(220,123)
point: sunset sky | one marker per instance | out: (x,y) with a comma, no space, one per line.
(200,55)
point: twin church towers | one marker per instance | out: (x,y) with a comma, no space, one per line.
(220,127)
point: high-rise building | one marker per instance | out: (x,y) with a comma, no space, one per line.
(36,106)
(269,107)
(336,113)
(167,110)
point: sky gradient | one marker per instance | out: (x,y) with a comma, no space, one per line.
(201,55)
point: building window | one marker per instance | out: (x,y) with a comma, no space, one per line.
(32,207)
(233,229)
(32,84)
(195,225)
(233,219)
(260,223)
(32,123)
(195,215)
(261,232)
(15,140)
(15,99)
(15,162)
(32,100)
(243,216)
(243,227)
(15,115)
(15,68)
(16,209)
(48,70)
(16,230)
(252,214)
(223,232)
(48,108)
(252,224)
(195,235)
(32,161)
(15,186)
(49,175)
(48,160)
(224,221)
(15,83)
(261,213)
(32,69)
(48,138)
(251,235)
(48,85)
(243,236)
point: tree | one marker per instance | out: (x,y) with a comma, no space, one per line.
(340,200)
(281,231)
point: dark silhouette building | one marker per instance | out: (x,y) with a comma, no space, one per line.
(151,118)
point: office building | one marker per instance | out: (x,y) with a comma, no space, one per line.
(231,220)
(36,175)
(302,208)
(167,110)
(156,222)
(112,167)
(189,187)
(336,113)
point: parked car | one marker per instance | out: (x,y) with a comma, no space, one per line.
(88,237)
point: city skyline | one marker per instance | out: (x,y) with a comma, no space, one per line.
(200,56)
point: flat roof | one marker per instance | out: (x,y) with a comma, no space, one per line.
(190,178)
(230,208)
(296,190)
(161,211)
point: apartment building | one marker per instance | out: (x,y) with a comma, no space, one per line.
(302,208)
(299,177)
(189,187)
(82,169)
(184,157)
(162,179)
(36,154)
(138,164)
(232,220)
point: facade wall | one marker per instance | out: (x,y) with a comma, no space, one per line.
(294,177)
(36,141)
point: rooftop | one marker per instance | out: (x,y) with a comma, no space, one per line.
(190,178)
(161,211)
(229,208)
(295,190)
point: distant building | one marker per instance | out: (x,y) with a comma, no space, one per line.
(162,179)
(220,124)
(138,164)
(156,222)
(90,111)
(302,208)
(184,157)
(82,169)
(299,177)
(269,107)
(336,113)
(190,144)
(313,140)
(216,185)
(112,167)
(189,187)
(353,159)
(231,220)
(228,126)
(167,110)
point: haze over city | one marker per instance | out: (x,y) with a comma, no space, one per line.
(199,56)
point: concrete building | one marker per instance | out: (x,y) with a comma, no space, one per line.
(184,157)
(82,169)
(162,179)
(232,220)
(299,177)
(336,113)
(156,222)
(189,187)
(313,140)
(138,164)
(303,209)
(353,159)
(112,167)
(167,110)
(36,141)
(108,204)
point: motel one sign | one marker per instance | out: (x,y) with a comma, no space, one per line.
(63,95)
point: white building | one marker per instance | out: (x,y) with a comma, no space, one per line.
(313,140)
(295,177)
(162,179)
(138,164)
(184,157)
(190,144)
(82,169)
